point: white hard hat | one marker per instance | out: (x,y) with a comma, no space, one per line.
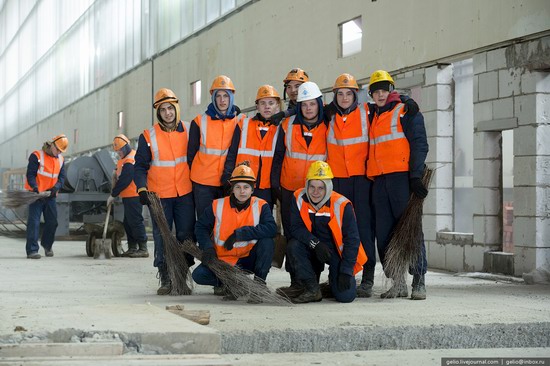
(308,91)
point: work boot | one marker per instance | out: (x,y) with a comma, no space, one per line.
(34,256)
(220,290)
(367,281)
(142,252)
(418,288)
(308,296)
(295,289)
(165,282)
(399,289)
(132,249)
(326,291)
(49,253)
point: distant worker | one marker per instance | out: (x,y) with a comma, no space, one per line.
(126,188)
(45,172)
(397,153)
(210,136)
(161,167)
(324,230)
(292,82)
(254,141)
(239,230)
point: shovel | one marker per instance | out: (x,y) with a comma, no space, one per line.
(102,248)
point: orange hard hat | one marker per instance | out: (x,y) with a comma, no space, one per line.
(345,81)
(296,74)
(120,141)
(61,142)
(164,95)
(267,91)
(222,82)
(243,173)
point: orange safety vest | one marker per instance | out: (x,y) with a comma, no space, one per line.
(389,149)
(130,190)
(216,136)
(299,156)
(348,143)
(336,211)
(48,171)
(227,220)
(253,147)
(168,173)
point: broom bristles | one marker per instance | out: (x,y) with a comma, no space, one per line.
(17,198)
(405,246)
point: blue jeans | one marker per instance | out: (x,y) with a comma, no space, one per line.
(181,212)
(258,262)
(133,220)
(47,207)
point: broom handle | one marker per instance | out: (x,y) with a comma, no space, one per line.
(106,222)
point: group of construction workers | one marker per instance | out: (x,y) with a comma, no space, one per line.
(341,173)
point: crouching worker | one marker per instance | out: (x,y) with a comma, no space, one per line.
(239,230)
(324,230)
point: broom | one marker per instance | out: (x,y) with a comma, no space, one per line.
(16,198)
(237,281)
(405,246)
(177,266)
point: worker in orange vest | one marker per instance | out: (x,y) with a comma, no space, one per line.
(397,152)
(161,167)
(126,189)
(45,172)
(324,230)
(254,141)
(301,141)
(292,82)
(238,230)
(210,136)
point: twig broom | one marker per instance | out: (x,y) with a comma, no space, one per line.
(16,198)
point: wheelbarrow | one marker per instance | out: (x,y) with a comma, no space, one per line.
(113,236)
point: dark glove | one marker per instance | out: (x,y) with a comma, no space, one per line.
(144,198)
(344,282)
(411,108)
(208,255)
(418,188)
(228,244)
(53,192)
(276,119)
(329,110)
(276,195)
(35,190)
(322,251)
(237,110)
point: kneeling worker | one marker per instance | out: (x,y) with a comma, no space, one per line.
(324,230)
(238,229)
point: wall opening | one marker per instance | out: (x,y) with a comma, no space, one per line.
(351,35)
(508,191)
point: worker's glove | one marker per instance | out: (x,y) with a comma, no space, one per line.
(144,198)
(417,187)
(110,200)
(208,256)
(411,107)
(228,244)
(276,119)
(329,110)
(237,110)
(344,282)
(35,190)
(322,250)
(53,192)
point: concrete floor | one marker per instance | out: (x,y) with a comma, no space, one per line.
(72,295)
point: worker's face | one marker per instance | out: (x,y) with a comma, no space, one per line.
(120,153)
(345,97)
(222,101)
(268,107)
(380,97)
(167,112)
(242,191)
(55,151)
(292,89)
(310,110)
(316,190)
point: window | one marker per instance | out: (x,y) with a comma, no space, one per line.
(196,92)
(120,120)
(351,33)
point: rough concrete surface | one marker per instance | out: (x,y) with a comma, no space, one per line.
(74,298)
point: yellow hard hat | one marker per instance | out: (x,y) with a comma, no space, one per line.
(319,170)
(164,95)
(120,141)
(222,82)
(383,77)
(61,142)
(296,74)
(243,173)
(267,91)
(345,81)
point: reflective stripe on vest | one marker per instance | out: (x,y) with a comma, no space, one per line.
(244,138)
(155,161)
(255,206)
(202,147)
(337,207)
(394,134)
(331,139)
(41,167)
(296,155)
